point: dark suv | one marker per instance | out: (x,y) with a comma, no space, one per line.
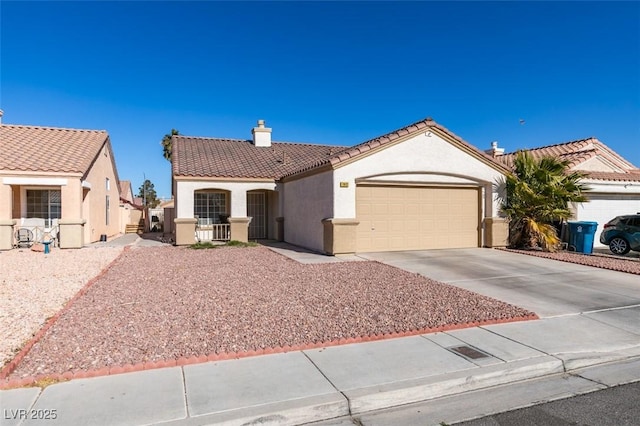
(622,234)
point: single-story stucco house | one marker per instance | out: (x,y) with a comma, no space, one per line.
(65,179)
(418,187)
(614,182)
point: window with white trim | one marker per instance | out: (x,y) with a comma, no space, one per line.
(208,206)
(44,204)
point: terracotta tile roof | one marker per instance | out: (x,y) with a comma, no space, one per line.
(126,193)
(237,158)
(49,149)
(630,176)
(578,152)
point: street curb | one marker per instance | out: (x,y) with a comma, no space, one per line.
(5,383)
(425,388)
(290,412)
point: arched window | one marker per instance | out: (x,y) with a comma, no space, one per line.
(208,206)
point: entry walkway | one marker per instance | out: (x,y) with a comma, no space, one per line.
(306,256)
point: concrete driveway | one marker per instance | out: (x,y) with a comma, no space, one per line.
(547,287)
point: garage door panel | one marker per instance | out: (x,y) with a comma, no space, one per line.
(416,218)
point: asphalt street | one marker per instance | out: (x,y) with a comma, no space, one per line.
(618,406)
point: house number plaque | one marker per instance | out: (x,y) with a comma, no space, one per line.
(344,184)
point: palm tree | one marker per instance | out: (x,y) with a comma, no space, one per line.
(167,148)
(538,192)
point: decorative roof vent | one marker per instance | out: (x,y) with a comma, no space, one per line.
(495,151)
(261,135)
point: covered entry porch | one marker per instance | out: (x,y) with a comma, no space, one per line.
(224,212)
(38,209)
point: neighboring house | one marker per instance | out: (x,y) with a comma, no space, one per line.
(614,182)
(419,187)
(126,192)
(130,212)
(60,177)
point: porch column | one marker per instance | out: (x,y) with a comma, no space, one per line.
(339,235)
(496,232)
(238,203)
(185,231)
(6,202)
(6,219)
(71,233)
(6,234)
(239,228)
(72,223)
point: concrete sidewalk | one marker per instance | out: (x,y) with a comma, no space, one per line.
(349,380)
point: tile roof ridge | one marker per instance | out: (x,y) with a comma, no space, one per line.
(29,126)
(209,138)
(308,144)
(554,145)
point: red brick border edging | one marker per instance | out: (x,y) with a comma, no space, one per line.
(9,367)
(128,368)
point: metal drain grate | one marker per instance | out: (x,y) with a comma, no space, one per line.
(469,352)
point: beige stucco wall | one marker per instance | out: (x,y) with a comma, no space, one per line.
(6,202)
(94,204)
(421,159)
(426,159)
(128,216)
(306,203)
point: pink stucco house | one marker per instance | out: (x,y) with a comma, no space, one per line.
(63,180)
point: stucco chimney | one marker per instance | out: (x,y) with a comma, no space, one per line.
(261,135)
(495,151)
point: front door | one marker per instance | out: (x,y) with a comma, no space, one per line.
(256,209)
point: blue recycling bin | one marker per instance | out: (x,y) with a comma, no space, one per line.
(581,235)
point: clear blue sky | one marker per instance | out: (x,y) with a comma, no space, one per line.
(322,72)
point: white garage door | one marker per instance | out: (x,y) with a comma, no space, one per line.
(604,207)
(396,218)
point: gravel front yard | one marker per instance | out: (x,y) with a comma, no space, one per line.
(163,303)
(34,287)
(629,264)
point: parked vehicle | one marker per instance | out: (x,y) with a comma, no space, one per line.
(622,233)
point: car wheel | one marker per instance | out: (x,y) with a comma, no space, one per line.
(619,245)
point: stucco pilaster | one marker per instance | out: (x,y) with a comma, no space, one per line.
(6,202)
(340,235)
(185,231)
(496,232)
(71,195)
(239,203)
(6,234)
(71,233)
(239,228)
